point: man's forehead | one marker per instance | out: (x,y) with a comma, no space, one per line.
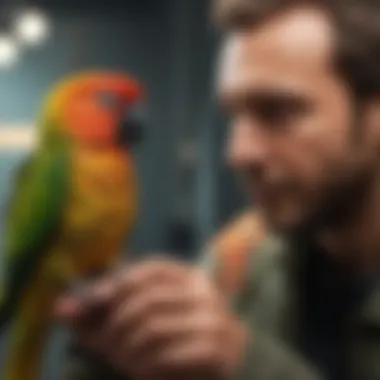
(298,42)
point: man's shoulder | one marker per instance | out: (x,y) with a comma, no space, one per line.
(269,256)
(240,233)
(268,293)
(230,249)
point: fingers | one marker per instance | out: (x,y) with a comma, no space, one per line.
(191,356)
(149,322)
(146,276)
(160,331)
(159,318)
(76,306)
(160,299)
(129,314)
(174,298)
(66,310)
(120,284)
(199,354)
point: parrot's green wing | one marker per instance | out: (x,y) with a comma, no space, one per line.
(34,217)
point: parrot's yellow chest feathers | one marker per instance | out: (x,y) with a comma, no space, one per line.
(102,208)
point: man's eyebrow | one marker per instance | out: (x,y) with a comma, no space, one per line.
(273,94)
(260,95)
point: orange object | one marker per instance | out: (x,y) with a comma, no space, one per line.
(233,245)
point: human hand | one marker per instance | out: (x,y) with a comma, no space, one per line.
(158,320)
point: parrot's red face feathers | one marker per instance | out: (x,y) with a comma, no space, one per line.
(99,110)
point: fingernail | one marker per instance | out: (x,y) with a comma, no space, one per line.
(66,307)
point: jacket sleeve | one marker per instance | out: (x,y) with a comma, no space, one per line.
(266,357)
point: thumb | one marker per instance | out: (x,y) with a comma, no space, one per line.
(83,304)
(67,309)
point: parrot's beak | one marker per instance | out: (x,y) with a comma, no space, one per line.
(133,124)
(131,130)
(123,94)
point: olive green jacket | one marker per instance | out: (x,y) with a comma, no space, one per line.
(268,304)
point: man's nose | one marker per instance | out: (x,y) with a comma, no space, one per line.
(246,145)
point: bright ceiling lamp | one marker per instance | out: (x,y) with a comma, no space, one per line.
(32,27)
(9,51)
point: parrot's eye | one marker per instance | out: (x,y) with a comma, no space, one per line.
(108,100)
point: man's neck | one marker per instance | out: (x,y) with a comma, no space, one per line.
(357,243)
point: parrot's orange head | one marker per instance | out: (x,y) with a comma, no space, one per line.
(98,109)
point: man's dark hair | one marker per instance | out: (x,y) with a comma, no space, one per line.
(357,25)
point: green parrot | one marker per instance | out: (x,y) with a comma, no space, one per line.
(75,201)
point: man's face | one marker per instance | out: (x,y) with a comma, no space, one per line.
(294,123)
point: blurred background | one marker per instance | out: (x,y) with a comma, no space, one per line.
(169,45)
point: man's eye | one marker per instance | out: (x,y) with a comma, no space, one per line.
(276,114)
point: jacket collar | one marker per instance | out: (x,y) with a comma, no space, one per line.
(369,312)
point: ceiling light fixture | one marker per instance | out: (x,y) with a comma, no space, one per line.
(9,51)
(32,27)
